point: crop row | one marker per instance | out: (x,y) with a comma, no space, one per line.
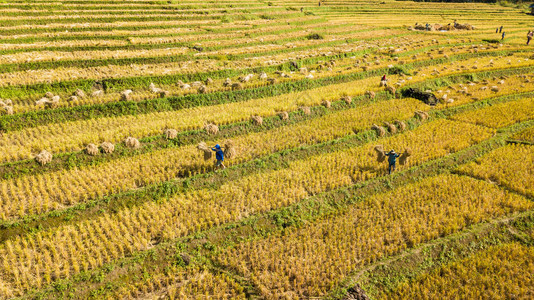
(511,166)
(37,260)
(38,193)
(526,135)
(310,261)
(505,269)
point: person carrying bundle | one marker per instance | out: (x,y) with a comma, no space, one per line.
(392,159)
(219,156)
(384,81)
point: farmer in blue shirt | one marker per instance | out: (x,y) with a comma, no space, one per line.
(392,159)
(219,155)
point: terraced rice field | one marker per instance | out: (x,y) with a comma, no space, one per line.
(104,193)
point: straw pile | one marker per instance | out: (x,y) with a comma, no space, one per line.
(202,89)
(6,106)
(391,128)
(44,157)
(370,94)
(170,133)
(79,93)
(403,158)
(229,149)
(237,86)
(132,143)
(423,115)
(306,110)
(125,95)
(392,90)
(283,115)
(326,103)
(211,128)
(380,154)
(227,82)
(400,125)
(205,149)
(107,147)
(347,99)
(208,81)
(91,149)
(257,120)
(380,131)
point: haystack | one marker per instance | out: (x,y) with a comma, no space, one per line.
(107,147)
(400,125)
(380,154)
(257,120)
(44,157)
(380,131)
(205,149)
(79,93)
(347,99)
(91,149)
(403,158)
(132,143)
(211,128)
(283,115)
(306,110)
(237,86)
(229,149)
(126,95)
(370,94)
(391,128)
(423,115)
(170,133)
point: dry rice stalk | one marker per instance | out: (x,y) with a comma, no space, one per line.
(257,120)
(380,131)
(208,81)
(204,148)
(392,128)
(229,149)
(227,82)
(347,99)
(283,115)
(107,147)
(72,98)
(91,149)
(79,93)
(423,115)
(400,125)
(212,128)
(44,157)
(306,110)
(202,89)
(326,103)
(392,90)
(170,133)
(403,158)
(380,154)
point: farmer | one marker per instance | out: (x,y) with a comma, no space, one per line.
(427,27)
(384,81)
(392,159)
(503,34)
(219,155)
(500,29)
(530,34)
(497,30)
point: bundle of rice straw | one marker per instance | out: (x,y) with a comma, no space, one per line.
(400,125)
(392,128)
(125,95)
(107,147)
(380,154)
(403,158)
(211,128)
(392,90)
(79,93)
(306,110)
(91,149)
(380,131)
(229,149)
(326,103)
(423,115)
(170,133)
(371,94)
(202,89)
(208,81)
(237,86)
(257,120)
(347,99)
(227,82)
(44,157)
(204,148)
(132,143)
(283,115)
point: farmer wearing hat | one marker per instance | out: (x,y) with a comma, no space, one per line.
(392,159)
(219,155)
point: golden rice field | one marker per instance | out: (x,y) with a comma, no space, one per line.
(109,189)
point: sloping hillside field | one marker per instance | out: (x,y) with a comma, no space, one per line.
(110,188)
